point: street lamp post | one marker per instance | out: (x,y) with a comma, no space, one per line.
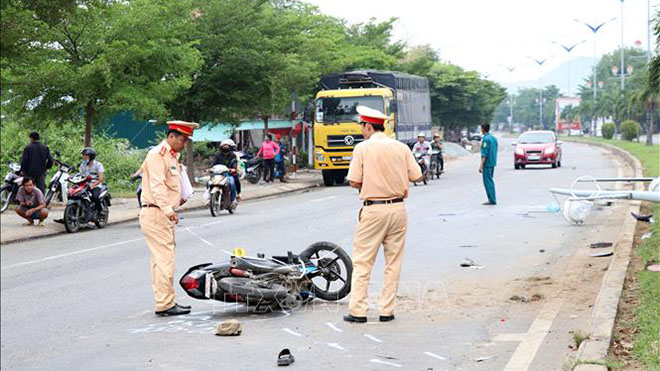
(622,67)
(510,69)
(594,30)
(540,63)
(568,50)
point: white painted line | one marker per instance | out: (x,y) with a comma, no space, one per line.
(323,199)
(371,337)
(509,337)
(385,363)
(211,223)
(332,326)
(336,346)
(435,356)
(292,332)
(70,254)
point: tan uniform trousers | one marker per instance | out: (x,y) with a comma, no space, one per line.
(159,233)
(378,224)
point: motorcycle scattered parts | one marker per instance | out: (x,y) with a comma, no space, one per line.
(601,254)
(230,327)
(469,263)
(600,245)
(285,358)
(642,218)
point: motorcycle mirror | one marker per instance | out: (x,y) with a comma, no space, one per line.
(57,153)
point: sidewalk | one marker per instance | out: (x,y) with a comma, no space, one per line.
(126,209)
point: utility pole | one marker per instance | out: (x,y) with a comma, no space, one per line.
(511,69)
(568,50)
(540,63)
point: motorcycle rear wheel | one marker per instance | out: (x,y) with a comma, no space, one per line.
(102,216)
(6,197)
(72,215)
(319,254)
(254,176)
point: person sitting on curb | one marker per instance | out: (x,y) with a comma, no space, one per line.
(32,203)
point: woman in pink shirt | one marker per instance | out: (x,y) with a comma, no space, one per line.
(269,150)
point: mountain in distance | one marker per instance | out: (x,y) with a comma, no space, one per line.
(580,70)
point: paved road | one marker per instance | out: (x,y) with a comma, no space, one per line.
(83,301)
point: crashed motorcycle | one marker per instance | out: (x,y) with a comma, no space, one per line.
(422,166)
(323,271)
(58,186)
(13,181)
(80,209)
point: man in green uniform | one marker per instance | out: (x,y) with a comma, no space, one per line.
(488,162)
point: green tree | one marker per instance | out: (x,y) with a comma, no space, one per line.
(97,56)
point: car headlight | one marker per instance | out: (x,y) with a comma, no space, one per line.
(549,150)
(320,157)
(520,151)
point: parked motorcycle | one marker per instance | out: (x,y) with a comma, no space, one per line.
(323,271)
(58,186)
(435,164)
(255,168)
(8,190)
(80,209)
(219,189)
(422,166)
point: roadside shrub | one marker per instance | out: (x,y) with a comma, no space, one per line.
(607,130)
(629,130)
(119,160)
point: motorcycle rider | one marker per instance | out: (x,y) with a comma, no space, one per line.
(228,157)
(95,169)
(423,148)
(436,145)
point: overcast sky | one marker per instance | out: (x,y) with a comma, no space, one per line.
(483,35)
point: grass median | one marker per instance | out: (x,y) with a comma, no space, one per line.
(645,323)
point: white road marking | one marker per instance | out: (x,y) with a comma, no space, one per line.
(371,337)
(435,356)
(292,332)
(323,199)
(332,326)
(336,346)
(70,254)
(509,337)
(385,363)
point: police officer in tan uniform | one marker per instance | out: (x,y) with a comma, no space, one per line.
(382,169)
(161,195)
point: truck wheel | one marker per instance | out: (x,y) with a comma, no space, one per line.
(328,178)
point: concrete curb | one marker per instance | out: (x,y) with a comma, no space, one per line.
(184,210)
(606,306)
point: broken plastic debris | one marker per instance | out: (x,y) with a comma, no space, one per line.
(653,268)
(647,235)
(642,218)
(553,208)
(601,254)
(469,263)
(598,245)
(481,359)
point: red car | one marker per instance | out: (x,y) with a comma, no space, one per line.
(537,148)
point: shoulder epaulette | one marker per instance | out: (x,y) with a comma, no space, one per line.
(162,151)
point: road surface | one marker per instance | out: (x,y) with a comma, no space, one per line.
(84,301)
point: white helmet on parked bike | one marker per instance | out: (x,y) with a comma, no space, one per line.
(228,142)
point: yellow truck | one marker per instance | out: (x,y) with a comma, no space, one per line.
(403,97)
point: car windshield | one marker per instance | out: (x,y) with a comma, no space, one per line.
(336,110)
(536,138)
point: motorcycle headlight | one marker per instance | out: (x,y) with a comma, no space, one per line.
(520,151)
(320,157)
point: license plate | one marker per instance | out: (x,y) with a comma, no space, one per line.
(534,158)
(347,158)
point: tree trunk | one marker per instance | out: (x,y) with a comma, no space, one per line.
(190,161)
(265,127)
(649,123)
(89,120)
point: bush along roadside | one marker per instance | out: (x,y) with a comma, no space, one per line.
(117,157)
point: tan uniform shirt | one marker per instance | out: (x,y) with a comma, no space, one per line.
(384,166)
(161,178)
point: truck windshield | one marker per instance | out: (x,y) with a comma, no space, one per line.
(335,110)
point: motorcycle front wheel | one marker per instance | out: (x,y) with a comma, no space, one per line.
(333,282)
(215,204)
(72,215)
(6,197)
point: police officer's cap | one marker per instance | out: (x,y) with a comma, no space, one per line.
(183,127)
(371,115)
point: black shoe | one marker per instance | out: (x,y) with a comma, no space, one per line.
(489,203)
(184,306)
(386,318)
(176,310)
(354,319)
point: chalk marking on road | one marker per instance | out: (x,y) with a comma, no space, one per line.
(292,332)
(336,346)
(211,223)
(435,356)
(510,337)
(371,337)
(374,360)
(332,326)
(70,254)
(323,199)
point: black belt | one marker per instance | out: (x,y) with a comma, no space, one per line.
(151,205)
(382,202)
